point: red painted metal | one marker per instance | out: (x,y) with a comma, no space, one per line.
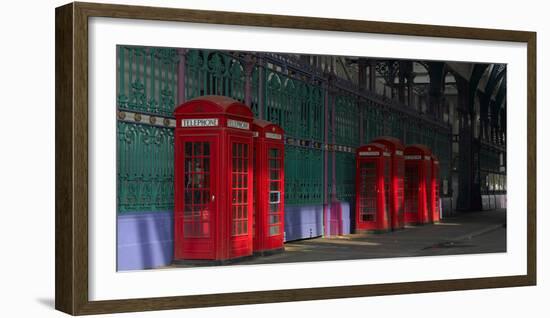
(213,179)
(417,184)
(269,182)
(397,192)
(435,189)
(372,190)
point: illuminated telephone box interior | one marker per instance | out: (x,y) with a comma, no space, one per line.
(372,212)
(434,189)
(397,179)
(269,181)
(417,184)
(213,180)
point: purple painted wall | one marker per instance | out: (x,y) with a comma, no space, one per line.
(303,221)
(306,221)
(144,240)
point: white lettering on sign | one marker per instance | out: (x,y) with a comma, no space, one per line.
(273,136)
(386,154)
(199,122)
(255,134)
(427,158)
(399,152)
(238,124)
(368,153)
(413,157)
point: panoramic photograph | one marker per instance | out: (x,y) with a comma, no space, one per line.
(231,158)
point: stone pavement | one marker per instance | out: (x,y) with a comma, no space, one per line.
(463,233)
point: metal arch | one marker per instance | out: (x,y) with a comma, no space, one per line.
(501,95)
(477,73)
(499,70)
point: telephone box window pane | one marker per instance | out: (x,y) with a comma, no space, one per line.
(188,149)
(197,148)
(273,153)
(274,230)
(245,165)
(187,214)
(274,186)
(274,207)
(273,219)
(206,149)
(274,164)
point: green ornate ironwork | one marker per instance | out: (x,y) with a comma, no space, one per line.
(373,123)
(346,121)
(214,73)
(147,79)
(303,175)
(145,168)
(147,82)
(345,176)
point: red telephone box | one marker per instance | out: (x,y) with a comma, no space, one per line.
(435,189)
(397,171)
(372,187)
(213,180)
(418,168)
(269,183)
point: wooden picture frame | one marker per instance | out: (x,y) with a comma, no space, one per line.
(71,143)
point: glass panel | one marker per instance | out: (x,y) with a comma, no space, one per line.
(273,153)
(274,230)
(206,164)
(273,163)
(188,149)
(273,219)
(197,149)
(274,207)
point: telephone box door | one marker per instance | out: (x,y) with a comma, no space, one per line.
(275,219)
(412,192)
(428,190)
(240,183)
(197,223)
(368,191)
